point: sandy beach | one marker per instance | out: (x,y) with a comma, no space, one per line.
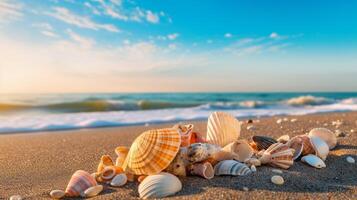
(33,164)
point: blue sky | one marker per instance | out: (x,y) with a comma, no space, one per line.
(166,45)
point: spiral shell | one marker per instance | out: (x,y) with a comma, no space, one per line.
(79,182)
(202,169)
(231,167)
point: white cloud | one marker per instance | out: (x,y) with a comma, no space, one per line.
(172,36)
(67,16)
(45,26)
(152,17)
(274,35)
(228,35)
(49,34)
(92,8)
(126,42)
(10,11)
(82,41)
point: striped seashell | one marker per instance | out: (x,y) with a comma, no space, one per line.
(231,167)
(198,152)
(105,161)
(308,148)
(79,182)
(320,146)
(152,151)
(178,165)
(297,144)
(278,155)
(159,186)
(263,142)
(122,152)
(185,132)
(222,129)
(241,148)
(202,169)
(326,135)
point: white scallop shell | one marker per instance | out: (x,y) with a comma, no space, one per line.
(119,180)
(231,167)
(326,135)
(313,161)
(320,147)
(222,129)
(159,186)
(93,191)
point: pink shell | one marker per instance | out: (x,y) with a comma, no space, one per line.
(80,181)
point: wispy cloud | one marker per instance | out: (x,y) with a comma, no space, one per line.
(173,36)
(228,35)
(67,16)
(46,29)
(152,17)
(49,34)
(92,8)
(82,41)
(10,11)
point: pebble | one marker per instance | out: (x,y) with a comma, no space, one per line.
(339,133)
(278,171)
(293,120)
(245,189)
(279,121)
(253,168)
(350,160)
(57,194)
(277,180)
(352,131)
(15,197)
(93,191)
(119,180)
(325,124)
(285,119)
(250,128)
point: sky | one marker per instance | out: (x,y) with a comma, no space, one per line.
(60,46)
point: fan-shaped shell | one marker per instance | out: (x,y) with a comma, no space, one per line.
(152,151)
(263,142)
(222,129)
(320,147)
(231,167)
(326,135)
(241,148)
(178,165)
(297,144)
(278,155)
(186,133)
(313,161)
(79,182)
(159,186)
(198,152)
(202,169)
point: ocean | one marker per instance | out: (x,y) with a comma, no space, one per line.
(43,112)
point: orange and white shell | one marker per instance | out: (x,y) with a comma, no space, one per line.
(105,161)
(326,135)
(307,146)
(222,129)
(122,152)
(152,151)
(79,182)
(278,155)
(241,148)
(186,133)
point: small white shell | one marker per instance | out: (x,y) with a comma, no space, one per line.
(350,160)
(57,194)
(278,171)
(231,167)
(283,139)
(159,186)
(15,197)
(253,168)
(326,135)
(93,191)
(320,147)
(313,161)
(119,180)
(277,180)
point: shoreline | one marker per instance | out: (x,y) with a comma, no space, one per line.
(33,164)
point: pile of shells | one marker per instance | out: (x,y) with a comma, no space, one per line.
(158,157)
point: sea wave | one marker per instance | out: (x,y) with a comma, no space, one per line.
(308,100)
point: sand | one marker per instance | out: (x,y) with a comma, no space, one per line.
(33,164)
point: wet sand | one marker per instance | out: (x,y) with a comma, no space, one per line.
(33,164)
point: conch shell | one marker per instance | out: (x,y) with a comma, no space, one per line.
(241,148)
(79,182)
(202,169)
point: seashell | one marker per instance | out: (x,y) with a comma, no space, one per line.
(152,151)
(297,144)
(253,161)
(197,138)
(79,182)
(320,147)
(307,146)
(159,186)
(326,135)
(283,139)
(231,167)
(105,161)
(15,197)
(178,165)
(185,132)
(93,191)
(222,129)
(278,155)
(278,171)
(253,168)
(277,180)
(350,159)
(201,151)
(241,148)
(57,194)
(122,152)
(202,169)
(263,142)
(119,180)
(130,176)
(108,173)
(141,178)
(313,161)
